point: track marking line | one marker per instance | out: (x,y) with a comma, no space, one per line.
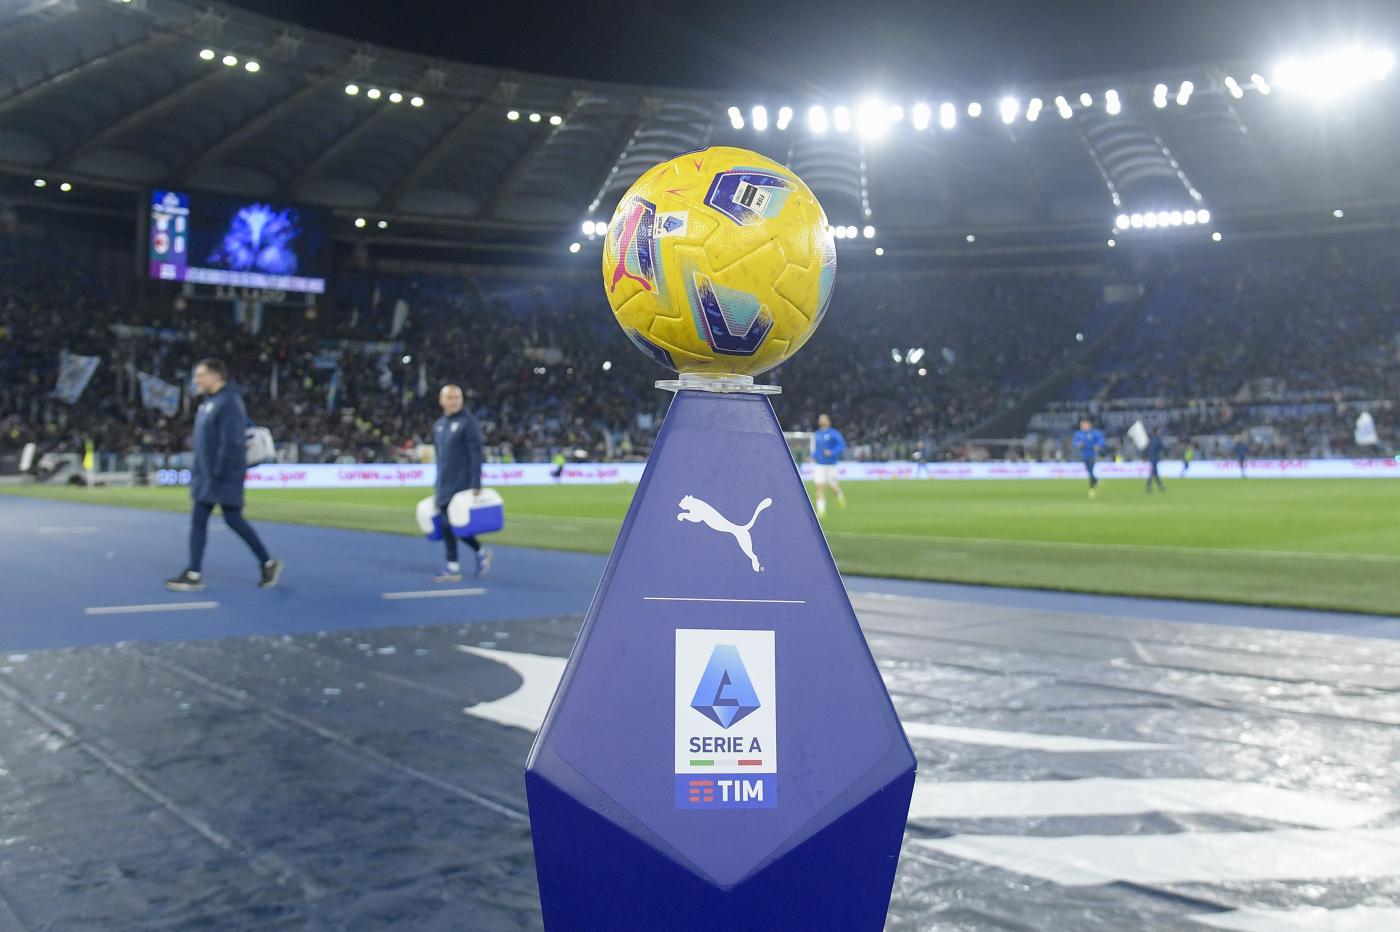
(154,607)
(684,598)
(432,594)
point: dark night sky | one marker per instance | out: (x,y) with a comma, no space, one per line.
(845,47)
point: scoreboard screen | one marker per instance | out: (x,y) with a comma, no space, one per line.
(214,239)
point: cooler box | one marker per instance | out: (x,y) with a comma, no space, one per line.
(466,516)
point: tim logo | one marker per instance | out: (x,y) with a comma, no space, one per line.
(732,793)
(698,512)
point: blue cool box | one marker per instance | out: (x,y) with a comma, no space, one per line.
(469,516)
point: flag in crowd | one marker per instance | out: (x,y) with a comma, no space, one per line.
(74,373)
(159,394)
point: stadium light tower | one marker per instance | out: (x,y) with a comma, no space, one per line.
(841,119)
(947,115)
(1062,105)
(736,119)
(784,117)
(920,116)
(759,115)
(872,119)
(1010,108)
(816,119)
(974,109)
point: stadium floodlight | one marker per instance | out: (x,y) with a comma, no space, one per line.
(838,232)
(868,232)
(915,356)
(1159,96)
(1233,87)
(841,119)
(1137,222)
(1149,220)
(359,223)
(1203,216)
(395,98)
(879,250)
(555,119)
(1112,243)
(760,117)
(1175,218)
(736,119)
(1335,73)
(406,359)
(1033,109)
(920,116)
(352,89)
(1079,338)
(1339,213)
(947,115)
(971,238)
(535,117)
(1111,104)
(1086,99)
(1183,94)
(816,119)
(373,93)
(40,183)
(1164,218)
(65,187)
(418,102)
(784,117)
(252,67)
(974,110)
(1188,217)
(1216,236)
(1260,84)
(872,119)
(1121,222)
(230,60)
(852,232)
(588,228)
(1062,105)
(383,224)
(512,115)
(607,365)
(897,356)
(206,54)
(1010,107)
(894,113)
(574,247)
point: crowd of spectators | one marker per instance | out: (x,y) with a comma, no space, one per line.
(905,363)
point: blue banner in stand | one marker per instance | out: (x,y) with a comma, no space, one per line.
(721,750)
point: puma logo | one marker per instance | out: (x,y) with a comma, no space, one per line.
(697,512)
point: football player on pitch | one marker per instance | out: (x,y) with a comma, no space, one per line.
(827,447)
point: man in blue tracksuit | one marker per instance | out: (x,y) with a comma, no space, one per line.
(1088,440)
(1155,449)
(827,447)
(1241,452)
(460,451)
(220,462)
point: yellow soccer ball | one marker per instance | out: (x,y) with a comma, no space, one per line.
(719,262)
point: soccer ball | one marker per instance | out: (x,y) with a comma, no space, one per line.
(719,262)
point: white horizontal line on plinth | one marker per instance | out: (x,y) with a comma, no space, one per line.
(687,598)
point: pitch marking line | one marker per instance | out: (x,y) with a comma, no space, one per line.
(154,607)
(683,598)
(432,594)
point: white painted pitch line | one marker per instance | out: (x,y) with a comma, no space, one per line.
(1185,857)
(685,598)
(527,706)
(432,594)
(1305,919)
(1144,548)
(72,529)
(1108,796)
(1060,744)
(154,607)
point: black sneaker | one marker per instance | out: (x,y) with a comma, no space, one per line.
(271,572)
(186,582)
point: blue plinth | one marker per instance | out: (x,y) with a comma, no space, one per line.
(721,752)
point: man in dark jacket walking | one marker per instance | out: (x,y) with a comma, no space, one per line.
(457,441)
(1156,447)
(217,477)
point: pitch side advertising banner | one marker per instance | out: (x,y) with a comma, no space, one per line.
(390,475)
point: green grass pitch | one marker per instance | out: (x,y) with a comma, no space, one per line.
(1317,543)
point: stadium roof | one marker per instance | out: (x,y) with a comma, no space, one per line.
(165,93)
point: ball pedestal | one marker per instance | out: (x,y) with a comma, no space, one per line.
(721,752)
